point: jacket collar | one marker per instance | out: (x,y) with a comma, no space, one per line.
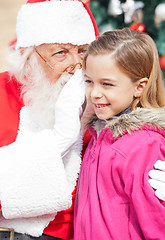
(141,118)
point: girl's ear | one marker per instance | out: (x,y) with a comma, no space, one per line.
(139,87)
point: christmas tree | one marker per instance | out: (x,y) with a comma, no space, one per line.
(145,16)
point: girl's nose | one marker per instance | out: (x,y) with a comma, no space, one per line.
(96,93)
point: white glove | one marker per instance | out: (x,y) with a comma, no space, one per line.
(68,110)
(157,179)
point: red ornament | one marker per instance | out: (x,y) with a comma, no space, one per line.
(140,27)
(162,62)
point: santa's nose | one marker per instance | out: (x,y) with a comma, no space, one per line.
(72,68)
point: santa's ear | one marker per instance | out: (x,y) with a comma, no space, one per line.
(139,86)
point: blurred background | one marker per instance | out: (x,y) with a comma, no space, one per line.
(8,15)
(144,16)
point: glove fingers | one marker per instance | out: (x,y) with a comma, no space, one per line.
(73,92)
(157,175)
(160,165)
(156,184)
(75,80)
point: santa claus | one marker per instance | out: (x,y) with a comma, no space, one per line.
(41,99)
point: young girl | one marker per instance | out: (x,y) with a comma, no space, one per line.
(125,89)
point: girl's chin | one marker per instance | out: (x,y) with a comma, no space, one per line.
(104,117)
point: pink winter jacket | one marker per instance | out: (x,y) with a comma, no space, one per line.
(114,199)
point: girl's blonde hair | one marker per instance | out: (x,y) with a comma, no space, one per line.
(137,56)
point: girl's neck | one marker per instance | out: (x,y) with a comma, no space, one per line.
(126,111)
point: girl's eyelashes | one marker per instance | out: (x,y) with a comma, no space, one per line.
(108,84)
(87,81)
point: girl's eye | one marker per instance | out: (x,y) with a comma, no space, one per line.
(107,84)
(87,81)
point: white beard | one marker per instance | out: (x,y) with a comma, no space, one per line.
(39,94)
(41,98)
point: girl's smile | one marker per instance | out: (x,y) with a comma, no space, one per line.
(101,105)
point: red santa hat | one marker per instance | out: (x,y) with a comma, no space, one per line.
(55,21)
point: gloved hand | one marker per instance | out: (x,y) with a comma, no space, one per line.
(157,179)
(68,111)
(37,152)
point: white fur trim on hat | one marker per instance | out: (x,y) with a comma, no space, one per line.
(54,22)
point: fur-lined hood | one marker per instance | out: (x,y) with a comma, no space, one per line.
(138,119)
